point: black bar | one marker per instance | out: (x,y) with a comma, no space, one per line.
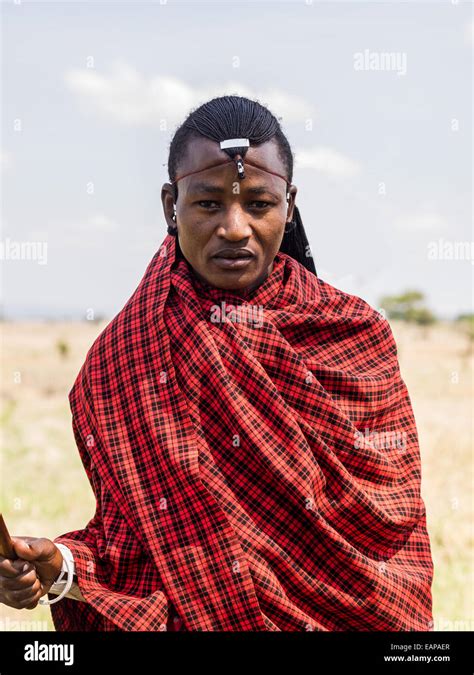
(301,653)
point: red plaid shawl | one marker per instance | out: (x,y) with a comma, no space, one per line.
(254,459)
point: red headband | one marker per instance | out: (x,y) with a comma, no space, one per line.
(227,161)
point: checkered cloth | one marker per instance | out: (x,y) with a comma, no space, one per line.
(255,463)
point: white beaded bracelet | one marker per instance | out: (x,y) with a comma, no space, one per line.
(67,566)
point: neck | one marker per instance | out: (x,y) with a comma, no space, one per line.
(249,289)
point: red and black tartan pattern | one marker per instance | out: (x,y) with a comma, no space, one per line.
(237,486)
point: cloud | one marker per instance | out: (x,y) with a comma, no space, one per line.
(469,31)
(327,161)
(421,220)
(129,98)
(97,225)
(101,223)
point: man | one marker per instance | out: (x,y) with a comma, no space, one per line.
(243,424)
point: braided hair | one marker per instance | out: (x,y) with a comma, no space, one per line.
(239,117)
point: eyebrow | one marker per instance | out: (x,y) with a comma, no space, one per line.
(213,189)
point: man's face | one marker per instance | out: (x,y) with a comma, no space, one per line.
(216,210)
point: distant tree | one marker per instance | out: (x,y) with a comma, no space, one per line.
(465,323)
(408,307)
(63,348)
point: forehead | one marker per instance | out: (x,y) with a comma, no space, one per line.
(202,152)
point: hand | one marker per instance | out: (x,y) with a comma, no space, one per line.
(25,580)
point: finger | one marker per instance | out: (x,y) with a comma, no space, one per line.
(24,580)
(31,603)
(12,568)
(26,539)
(26,593)
(23,549)
(17,562)
(34,603)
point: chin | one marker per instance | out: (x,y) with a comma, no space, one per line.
(232,284)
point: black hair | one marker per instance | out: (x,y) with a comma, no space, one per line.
(239,117)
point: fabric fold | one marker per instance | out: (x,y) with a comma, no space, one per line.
(119,582)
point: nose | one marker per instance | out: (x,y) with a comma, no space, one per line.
(234,224)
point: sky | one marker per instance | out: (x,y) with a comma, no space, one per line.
(374,97)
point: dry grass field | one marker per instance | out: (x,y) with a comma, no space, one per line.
(45,491)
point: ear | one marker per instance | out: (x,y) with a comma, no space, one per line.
(292,190)
(167,199)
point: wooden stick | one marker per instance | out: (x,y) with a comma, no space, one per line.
(6,546)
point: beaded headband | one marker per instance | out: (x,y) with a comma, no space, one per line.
(233,143)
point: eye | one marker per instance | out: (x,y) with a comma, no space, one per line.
(261,205)
(207,204)
(210,204)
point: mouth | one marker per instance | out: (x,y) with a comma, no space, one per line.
(232,263)
(233,259)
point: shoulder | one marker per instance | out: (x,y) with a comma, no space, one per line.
(353,315)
